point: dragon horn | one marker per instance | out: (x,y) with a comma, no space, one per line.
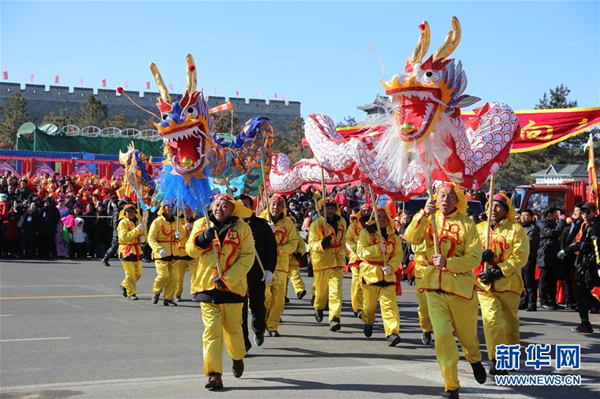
(422,45)
(160,83)
(191,75)
(122,158)
(451,42)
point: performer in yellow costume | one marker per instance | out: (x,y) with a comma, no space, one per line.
(224,248)
(356,295)
(500,280)
(422,310)
(328,254)
(163,238)
(381,256)
(287,242)
(449,281)
(185,262)
(131,235)
(295,258)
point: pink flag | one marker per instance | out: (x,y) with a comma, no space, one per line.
(171,87)
(81,81)
(5,75)
(214,90)
(284,97)
(57,79)
(237,92)
(256,93)
(103,82)
(126,84)
(148,85)
(275,94)
(32,78)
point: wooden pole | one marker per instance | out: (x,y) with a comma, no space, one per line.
(436,242)
(488,233)
(214,247)
(323,197)
(377,223)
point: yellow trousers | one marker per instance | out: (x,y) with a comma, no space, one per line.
(166,277)
(500,315)
(328,286)
(133,273)
(388,304)
(296,279)
(191,265)
(450,313)
(275,300)
(424,320)
(222,321)
(356,295)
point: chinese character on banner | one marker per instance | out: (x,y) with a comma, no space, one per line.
(508,357)
(538,356)
(568,357)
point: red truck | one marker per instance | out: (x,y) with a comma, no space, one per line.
(539,196)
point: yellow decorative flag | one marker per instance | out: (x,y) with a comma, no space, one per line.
(592,175)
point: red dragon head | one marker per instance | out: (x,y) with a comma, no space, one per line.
(429,87)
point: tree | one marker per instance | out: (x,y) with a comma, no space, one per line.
(348,121)
(93,113)
(292,142)
(61,120)
(15,114)
(120,121)
(222,122)
(520,166)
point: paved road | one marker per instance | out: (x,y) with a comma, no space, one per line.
(67,332)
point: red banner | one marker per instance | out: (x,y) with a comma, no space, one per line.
(540,128)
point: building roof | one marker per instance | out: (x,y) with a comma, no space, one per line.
(563,170)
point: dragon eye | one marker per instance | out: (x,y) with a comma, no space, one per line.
(165,116)
(190,110)
(430,77)
(429,74)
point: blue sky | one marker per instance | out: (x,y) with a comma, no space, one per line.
(312,52)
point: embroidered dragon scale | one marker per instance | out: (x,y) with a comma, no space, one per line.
(421,136)
(198,163)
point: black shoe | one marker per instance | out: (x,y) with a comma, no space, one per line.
(105,262)
(358,314)
(134,297)
(177,299)
(259,338)
(168,302)
(155,298)
(426,338)
(494,371)
(214,382)
(557,306)
(450,395)
(238,368)
(335,325)
(547,307)
(522,306)
(479,372)
(532,309)
(319,315)
(196,298)
(394,340)
(584,328)
(124,291)
(248,346)
(287,300)
(368,330)
(301,294)
(274,334)
(572,306)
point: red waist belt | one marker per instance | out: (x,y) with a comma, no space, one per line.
(335,246)
(374,263)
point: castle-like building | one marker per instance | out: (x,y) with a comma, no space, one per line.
(41,101)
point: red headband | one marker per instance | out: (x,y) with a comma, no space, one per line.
(278,198)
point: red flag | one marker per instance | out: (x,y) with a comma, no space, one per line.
(32,78)
(126,84)
(214,90)
(171,87)
(5,75)
(103,82)
(57,79)
(148,85)
(284,97)
(237,92)
(256,93)
(81,81)
(275,94)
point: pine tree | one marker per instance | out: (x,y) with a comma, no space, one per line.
(15,114)
(120,121)
(222,122)
(61,120)
(348,121)
(292,142)
(93,113)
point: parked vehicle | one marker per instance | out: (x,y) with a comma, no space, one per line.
(539,196)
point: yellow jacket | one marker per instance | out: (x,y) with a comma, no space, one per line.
(335,255)
(236,257)
(300,249)
(460,245)
(287,241)
(369,253)
(420,260)
(510,244)
(129,239)
(352,240)
(162,236)
(185,235)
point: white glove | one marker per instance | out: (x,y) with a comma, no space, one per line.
(382,247)
(561,254)
(140,227)
(387,270)
(272,225)
(411,257)
(142,239)
(188,227)
(177,235)
(162,253)
(268,278)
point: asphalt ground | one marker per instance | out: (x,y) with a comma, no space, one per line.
(66,331)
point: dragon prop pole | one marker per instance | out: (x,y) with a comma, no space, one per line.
(488,232)
(377,223)
(214,247)
(323,196)
(266,197)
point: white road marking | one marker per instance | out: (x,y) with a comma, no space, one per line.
(33,339)
(73,305)
(6,315)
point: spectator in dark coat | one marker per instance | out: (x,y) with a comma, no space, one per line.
(49,219)
(551,227)
(102,230)
(529,298)
(29,229)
